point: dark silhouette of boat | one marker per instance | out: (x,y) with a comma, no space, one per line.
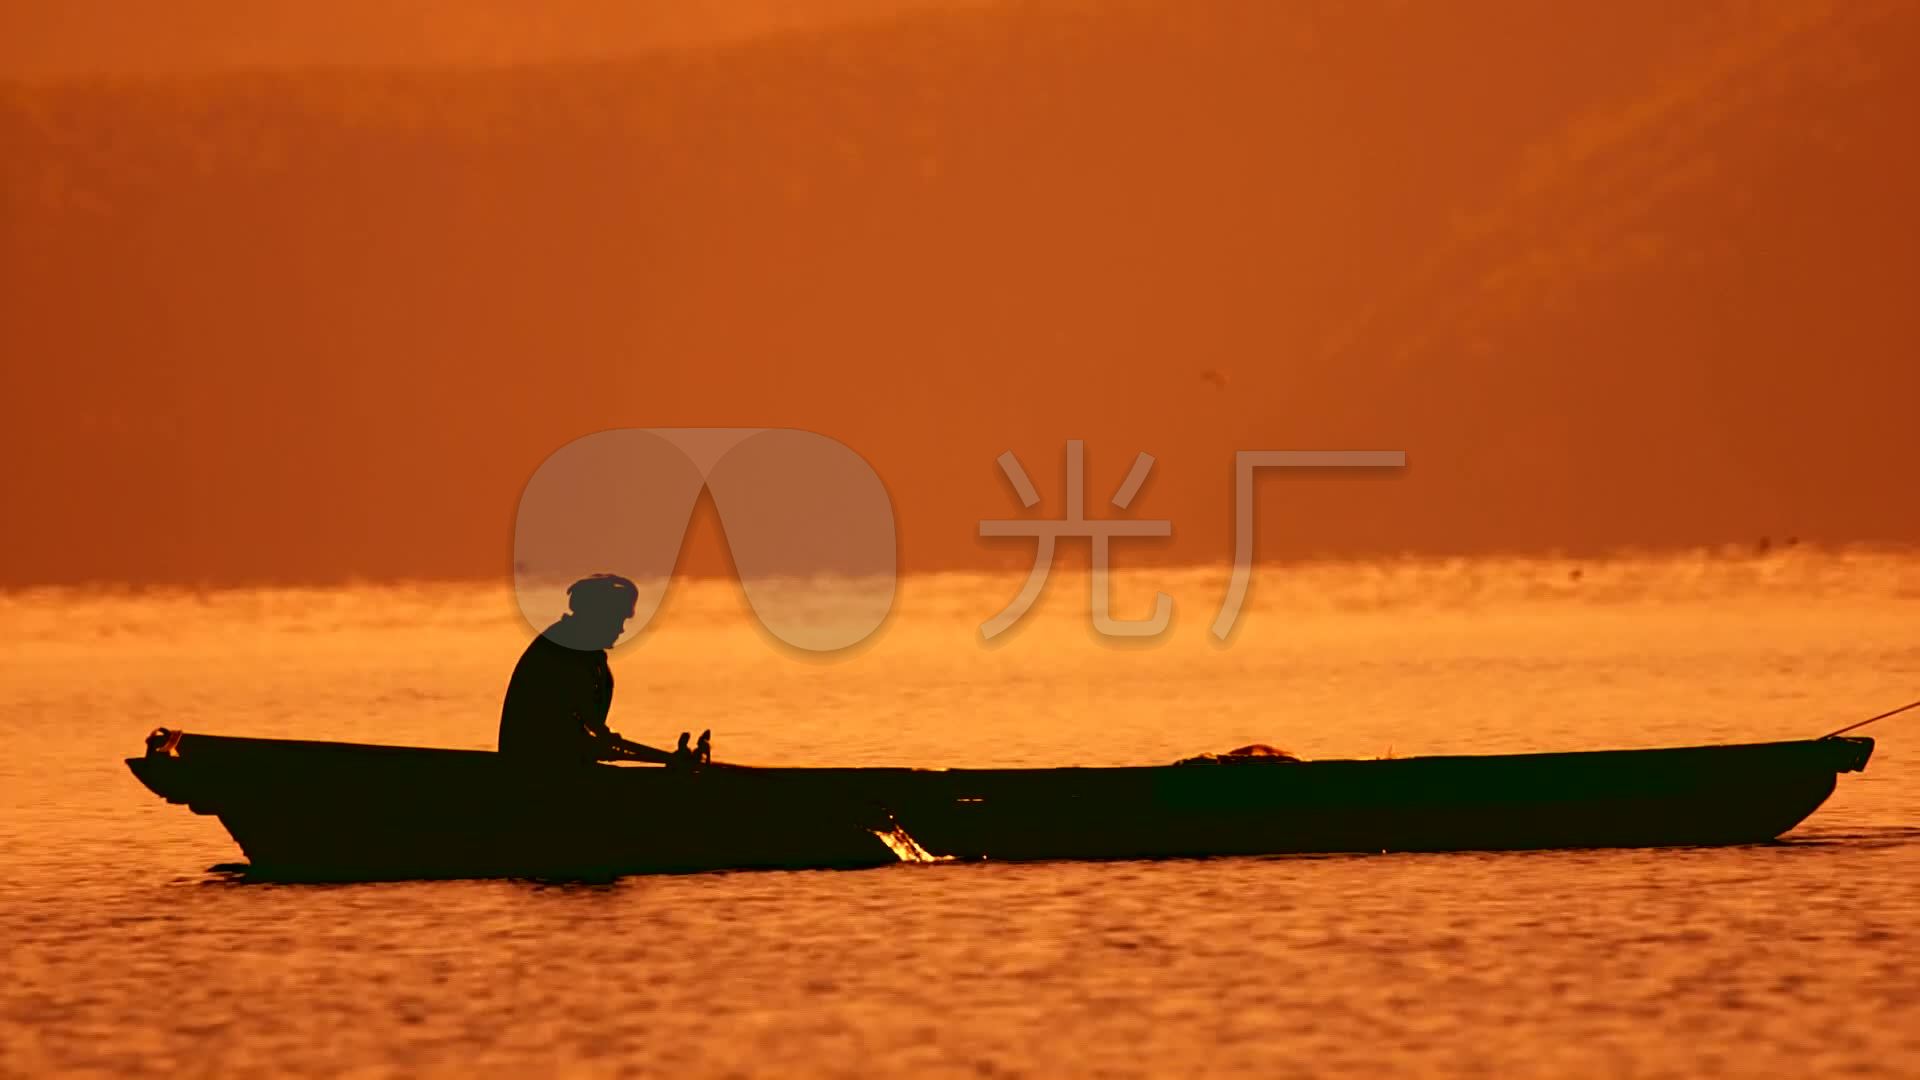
(343,811)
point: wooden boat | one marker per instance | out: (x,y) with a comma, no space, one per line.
(343,811)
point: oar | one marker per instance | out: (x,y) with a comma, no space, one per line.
(1871,719)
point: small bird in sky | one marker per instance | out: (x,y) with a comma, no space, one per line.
(1215,376)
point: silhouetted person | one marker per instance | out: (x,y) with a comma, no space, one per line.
(556,707)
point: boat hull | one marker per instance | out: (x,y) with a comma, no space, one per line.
(338,811)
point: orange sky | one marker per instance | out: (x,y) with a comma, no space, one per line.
(72,38)
(292,301)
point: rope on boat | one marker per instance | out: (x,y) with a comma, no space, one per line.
(1871,719)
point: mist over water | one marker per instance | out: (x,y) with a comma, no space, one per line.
(125,953)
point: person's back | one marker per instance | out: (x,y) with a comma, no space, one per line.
(558,698)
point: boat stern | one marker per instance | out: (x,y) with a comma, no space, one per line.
(160,768)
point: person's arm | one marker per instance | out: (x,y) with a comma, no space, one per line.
(614,748)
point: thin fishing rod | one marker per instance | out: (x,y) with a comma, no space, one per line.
(1871,719)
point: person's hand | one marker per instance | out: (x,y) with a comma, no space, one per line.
(690,757)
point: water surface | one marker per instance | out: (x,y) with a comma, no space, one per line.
(125,954)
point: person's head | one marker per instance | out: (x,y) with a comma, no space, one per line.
(601,606)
